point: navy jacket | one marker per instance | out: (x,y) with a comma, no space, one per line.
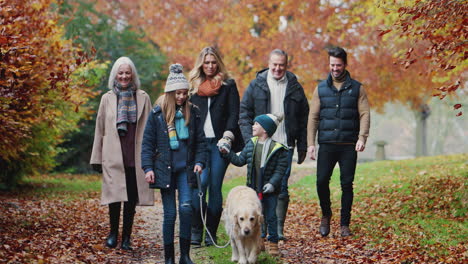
(156,152)
(339,114)
(224,111)
(256,101)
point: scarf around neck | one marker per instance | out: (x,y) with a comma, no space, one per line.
(211,87)
(126,107)
(177,131)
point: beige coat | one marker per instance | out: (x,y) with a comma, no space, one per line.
(108,152)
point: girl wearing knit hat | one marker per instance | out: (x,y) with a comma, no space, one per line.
(267,161)
(173,150)
(215,92)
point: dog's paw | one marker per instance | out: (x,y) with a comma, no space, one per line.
(252,259)
(242,261)
(234,258)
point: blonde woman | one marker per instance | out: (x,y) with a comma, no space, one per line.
(120,123)
(216,94)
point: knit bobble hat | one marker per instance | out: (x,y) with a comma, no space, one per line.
(269,122)
(176,79)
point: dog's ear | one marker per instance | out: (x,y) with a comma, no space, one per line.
(260,218)
(235,224)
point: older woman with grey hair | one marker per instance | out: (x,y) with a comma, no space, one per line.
(116,154)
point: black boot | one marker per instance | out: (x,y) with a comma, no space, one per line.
(129,213)
(281,211)
(325,225)
(197,227)
(185,251)
(169,254)
(212,223)
(114,216)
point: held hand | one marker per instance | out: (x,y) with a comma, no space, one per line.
(360,146)
(223,146)
(149,177)
(268,188)
(198,169)
(311,152)
(301,156)
(97,167)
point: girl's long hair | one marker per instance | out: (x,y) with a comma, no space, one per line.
(167,102)
(197,76)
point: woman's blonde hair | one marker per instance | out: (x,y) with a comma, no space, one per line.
(115,68)
(197,76)
(167,102)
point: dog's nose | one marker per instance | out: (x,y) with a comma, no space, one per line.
(247,231)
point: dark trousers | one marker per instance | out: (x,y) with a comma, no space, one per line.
(328,156)
(269,203)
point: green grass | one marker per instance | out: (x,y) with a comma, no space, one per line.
(66,186)
(424,200)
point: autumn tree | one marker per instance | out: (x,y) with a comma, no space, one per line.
(100,33)
(41,90)
(440,26)
(244,31)
(379,64)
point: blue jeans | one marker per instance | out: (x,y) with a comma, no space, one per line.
(212,180)
(284,193)
(269,211)
(169,207)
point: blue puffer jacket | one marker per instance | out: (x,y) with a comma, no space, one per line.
(156,152)
(275,164)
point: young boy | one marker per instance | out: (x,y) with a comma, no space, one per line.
(267,161)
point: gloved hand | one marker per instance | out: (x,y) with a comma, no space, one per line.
(97,167)
(301,156)
(268,188)
(225,143)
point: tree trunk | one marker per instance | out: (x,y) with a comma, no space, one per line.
(421,130)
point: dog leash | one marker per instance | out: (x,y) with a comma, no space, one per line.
(200,195)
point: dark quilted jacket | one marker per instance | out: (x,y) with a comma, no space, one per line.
(156,152)
(275,165)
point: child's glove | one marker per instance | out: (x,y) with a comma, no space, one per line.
(225,143)
(268,188)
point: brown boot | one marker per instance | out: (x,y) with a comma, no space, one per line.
(273,249)
(345,231)
(325,225)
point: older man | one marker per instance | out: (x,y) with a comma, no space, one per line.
(276,90)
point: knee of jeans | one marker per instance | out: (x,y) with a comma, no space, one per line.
(169,217)
(186,207)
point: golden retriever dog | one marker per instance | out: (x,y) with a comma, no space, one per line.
(243,217)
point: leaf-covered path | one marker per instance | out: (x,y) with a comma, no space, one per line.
(40,228)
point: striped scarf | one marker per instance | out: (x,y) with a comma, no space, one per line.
(126,107)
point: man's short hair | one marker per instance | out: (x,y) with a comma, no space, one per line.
(338,52)
(280,53)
